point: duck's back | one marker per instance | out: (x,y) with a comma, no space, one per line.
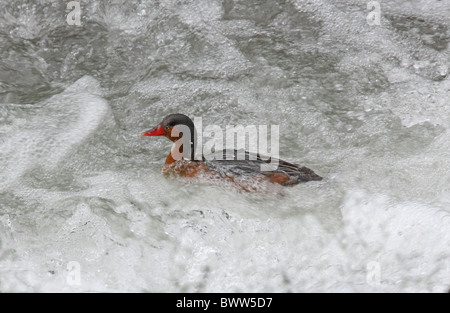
(234,163)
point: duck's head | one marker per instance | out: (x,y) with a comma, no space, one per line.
(172,127)
(168,124)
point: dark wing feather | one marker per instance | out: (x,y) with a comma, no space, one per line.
(240,163)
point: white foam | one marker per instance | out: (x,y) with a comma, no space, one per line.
(399,236)
(383,150)
(46,133)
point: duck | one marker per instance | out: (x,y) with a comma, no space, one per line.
(241,168)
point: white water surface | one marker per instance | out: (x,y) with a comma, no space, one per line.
(365,106)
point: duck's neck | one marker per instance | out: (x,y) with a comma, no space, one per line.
(170,159)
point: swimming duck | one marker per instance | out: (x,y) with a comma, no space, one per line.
(230,166)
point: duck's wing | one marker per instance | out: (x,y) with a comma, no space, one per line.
(243,163)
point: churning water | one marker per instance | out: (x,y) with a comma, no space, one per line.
(83,203)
